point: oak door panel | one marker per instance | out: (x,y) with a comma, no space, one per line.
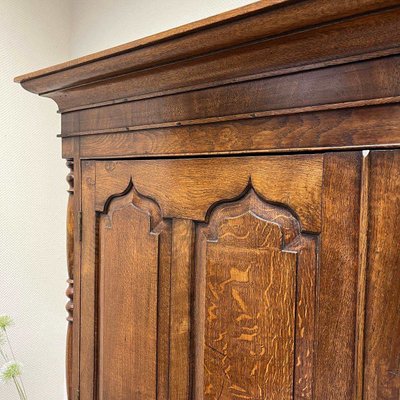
(382,325)
(250,283)
(129,253)
(218,278)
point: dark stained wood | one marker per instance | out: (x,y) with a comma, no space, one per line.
(128,282)
(76,326)
(170,180)
(345,83)
(181,298)
(362,271)
(338,277)
(251,285)
(350,128)
(208,259)
(382,339)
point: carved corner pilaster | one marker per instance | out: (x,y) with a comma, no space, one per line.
(70,264)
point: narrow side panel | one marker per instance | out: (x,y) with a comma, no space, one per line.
(382,326)
(88,283)
(181,272)
(127,306)
(132,355)
(338,277)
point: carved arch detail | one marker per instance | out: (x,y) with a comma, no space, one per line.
(254,302)
(250,202)
(131,197)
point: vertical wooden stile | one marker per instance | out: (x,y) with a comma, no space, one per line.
(362,270)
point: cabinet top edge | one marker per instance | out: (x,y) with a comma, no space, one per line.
(169,34)
(256,21)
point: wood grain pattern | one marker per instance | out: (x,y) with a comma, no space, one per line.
(276,177)
(89,267)
(181,299)
(344,83)
(362,272)
(249,348)
(313,326)
(382,346)
(338,277)
(346,128)
(248,282)
(74,207)
(268,176)
(128,283)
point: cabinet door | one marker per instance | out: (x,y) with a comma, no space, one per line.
(220,278)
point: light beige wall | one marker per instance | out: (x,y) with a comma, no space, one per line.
(33,34)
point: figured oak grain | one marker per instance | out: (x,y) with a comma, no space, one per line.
(187,188)
(335,354)
(336,84)
(256,281)
(268,213)
(313,130)
(128,292)
(382,324)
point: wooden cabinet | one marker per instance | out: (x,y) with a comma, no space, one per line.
(234,210)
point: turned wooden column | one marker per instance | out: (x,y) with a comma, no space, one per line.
(70,264)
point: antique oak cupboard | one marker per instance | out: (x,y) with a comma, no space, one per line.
(234,207)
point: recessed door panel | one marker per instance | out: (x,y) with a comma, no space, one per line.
(250,282)
(128,266)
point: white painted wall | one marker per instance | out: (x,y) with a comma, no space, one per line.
(36,34)
(33,34)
